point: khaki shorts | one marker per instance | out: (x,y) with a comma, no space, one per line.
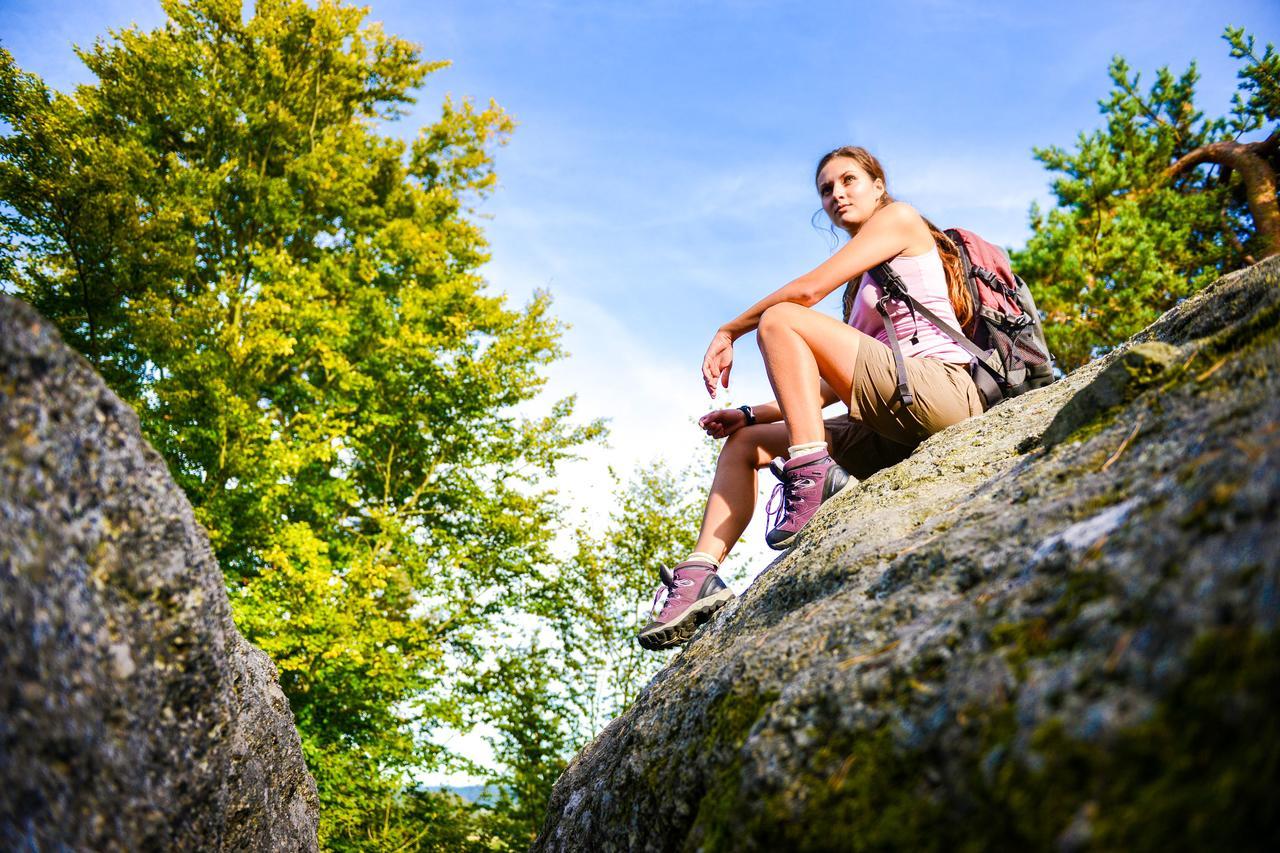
(879,430)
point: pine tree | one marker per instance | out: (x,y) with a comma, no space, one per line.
(1155,205)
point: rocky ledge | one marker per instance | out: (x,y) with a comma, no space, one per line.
(1054,626)
(133,715)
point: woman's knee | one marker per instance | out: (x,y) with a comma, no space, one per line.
(776,317)
(740,444)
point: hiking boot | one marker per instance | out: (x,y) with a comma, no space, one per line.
(694,592)
(807,481)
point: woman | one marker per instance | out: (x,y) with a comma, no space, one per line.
(813,361)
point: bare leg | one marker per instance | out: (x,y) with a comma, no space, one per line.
(733,491)
(800,346)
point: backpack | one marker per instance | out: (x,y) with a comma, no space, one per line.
(1005,335)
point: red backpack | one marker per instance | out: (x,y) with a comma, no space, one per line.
(1005,336)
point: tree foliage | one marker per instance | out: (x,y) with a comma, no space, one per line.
(612,578)
(580,665)
(1156,204)
(290,300)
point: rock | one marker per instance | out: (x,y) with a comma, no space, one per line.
(133,715)
(1124,377)
(1073,645)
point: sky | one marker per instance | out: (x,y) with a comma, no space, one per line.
(660,178)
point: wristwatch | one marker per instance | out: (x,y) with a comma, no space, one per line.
(751,416)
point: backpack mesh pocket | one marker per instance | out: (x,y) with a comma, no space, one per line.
(1017,347)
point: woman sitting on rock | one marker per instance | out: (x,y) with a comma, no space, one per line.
(814,360)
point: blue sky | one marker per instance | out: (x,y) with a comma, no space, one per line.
(660,178)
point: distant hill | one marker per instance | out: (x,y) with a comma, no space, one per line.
(471,793)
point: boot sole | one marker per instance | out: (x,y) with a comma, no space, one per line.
(837,479)
(681,630)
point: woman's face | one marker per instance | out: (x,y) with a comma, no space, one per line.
(849,195)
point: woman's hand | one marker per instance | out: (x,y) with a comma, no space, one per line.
(723,423)
(717,362)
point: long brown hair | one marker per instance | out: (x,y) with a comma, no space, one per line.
(952,265)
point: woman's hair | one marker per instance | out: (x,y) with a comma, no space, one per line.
(952,265)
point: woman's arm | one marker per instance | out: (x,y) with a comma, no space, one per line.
(896,229)
(891,231)
(722,423)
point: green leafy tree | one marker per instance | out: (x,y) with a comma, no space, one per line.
(290,300)
(528,701)
(611,579)
(1155,205)
(581,665)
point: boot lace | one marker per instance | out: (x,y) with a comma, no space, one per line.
(785,495)
(671,591)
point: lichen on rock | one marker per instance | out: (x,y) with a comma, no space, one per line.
(133,714)
(1054,625)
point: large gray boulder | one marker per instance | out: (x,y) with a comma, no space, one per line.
(1053,626)
(133,715)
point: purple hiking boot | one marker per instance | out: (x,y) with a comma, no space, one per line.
(694,592)
(807,481)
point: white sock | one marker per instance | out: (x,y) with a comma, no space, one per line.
(702,557)
(802,449)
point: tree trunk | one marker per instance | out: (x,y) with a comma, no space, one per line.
(1250,160)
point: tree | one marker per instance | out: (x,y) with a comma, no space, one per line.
(528,700)
(290,300)
(580,665)
(1155,205)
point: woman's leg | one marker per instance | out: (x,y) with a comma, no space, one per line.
(733,491)
(800,346)
(694,589)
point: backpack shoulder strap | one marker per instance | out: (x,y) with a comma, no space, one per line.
(987,378)
(892,287)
